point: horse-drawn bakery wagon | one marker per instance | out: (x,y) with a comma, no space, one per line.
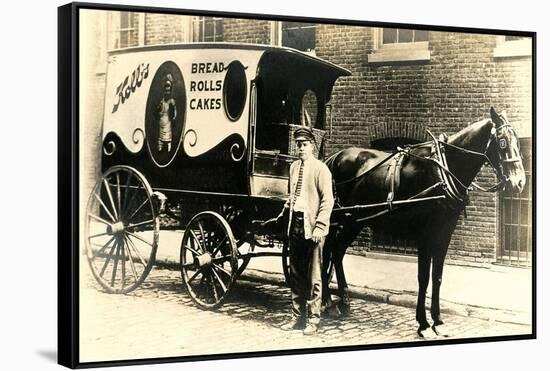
(198,137)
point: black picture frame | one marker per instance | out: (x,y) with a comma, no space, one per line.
(70,171)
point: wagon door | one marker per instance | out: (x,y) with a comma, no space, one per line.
(291,90)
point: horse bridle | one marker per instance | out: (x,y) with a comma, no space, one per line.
(501,141)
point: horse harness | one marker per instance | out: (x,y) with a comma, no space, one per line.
(453,189)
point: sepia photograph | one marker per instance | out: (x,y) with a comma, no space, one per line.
(254,185)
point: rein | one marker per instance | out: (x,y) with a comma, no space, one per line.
(450,183)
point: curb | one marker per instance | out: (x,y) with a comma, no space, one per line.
(405,299)
(401,298)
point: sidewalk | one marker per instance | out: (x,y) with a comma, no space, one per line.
(497,293)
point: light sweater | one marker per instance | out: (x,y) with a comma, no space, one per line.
(316,198)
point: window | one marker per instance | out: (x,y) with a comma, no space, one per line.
(400,45)
(207,29)
(126,30)
(298,35)
(234,90)
(400,36)
(512,46)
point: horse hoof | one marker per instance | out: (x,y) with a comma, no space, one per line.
(332,312)
(426,333)
(345,308)
(440,331)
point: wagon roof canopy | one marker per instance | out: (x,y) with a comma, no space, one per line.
(298,68)
(288,57)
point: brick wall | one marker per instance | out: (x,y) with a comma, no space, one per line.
(246,31)
(458,85)
(164,29)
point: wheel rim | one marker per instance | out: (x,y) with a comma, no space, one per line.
(122,230)
(236,218)
(208,259)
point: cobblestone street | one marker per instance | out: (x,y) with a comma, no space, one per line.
(159,320)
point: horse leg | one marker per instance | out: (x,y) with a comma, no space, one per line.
(439,252)
(437,278)
(424,260)
(325,274)
(344,304)
(345,239)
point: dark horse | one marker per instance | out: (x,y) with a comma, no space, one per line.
(436,175)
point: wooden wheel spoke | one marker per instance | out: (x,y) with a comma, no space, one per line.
(221,269)
(140,238)
(110,194)
(131,259)
(99,219)
(220,281)
(136,251)
(103,247)
(123,267)
(105,207)
(197,241)
(135,225)
(194,276)
(204,242)
(115,264)
(194,252)
(139,208)
(202,286)
(222,259)
(99,235)
(218,247)
(118,191)
(107,260)
(136,191)
(127,188)
(213,286)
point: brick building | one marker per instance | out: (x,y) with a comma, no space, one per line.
(403,82)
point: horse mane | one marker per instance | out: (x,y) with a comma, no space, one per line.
(465,135)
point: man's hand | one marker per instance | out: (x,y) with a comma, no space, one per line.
(316,236)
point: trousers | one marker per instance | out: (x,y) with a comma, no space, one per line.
(305,271)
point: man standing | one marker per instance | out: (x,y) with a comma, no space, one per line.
(309,207)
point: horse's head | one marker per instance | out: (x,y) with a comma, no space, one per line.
(504,152)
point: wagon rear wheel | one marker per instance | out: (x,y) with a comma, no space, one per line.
(208,259)
(122,230)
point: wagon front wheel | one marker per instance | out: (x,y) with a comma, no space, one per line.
(208,259)
(122,230)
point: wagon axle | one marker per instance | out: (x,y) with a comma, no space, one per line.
(204,260)
(115,229)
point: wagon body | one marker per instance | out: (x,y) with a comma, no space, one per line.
(208,128)
(232,111)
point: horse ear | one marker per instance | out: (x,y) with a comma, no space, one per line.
(495,118)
